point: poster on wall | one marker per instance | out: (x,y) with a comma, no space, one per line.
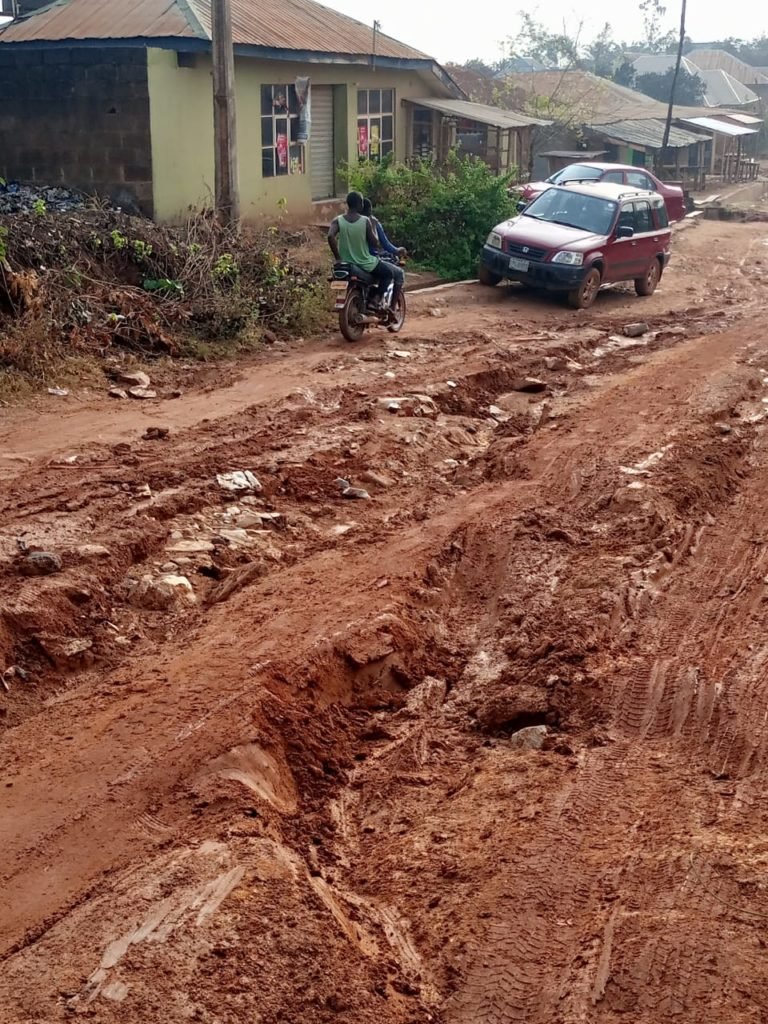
(375,142)
(304,95)
(282,150)
(362,140)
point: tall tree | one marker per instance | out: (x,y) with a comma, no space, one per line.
(689,89)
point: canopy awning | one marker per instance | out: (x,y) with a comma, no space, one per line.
(496,117)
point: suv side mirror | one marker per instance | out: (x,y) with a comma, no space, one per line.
(624,231)
(521,205)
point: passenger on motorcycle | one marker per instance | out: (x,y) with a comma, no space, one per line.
(352,239)
(384,245)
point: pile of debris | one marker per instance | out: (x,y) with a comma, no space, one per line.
(16,198)
(78,279)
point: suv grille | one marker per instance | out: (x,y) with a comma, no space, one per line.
(525,251)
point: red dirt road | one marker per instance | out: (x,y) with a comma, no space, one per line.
(304,798)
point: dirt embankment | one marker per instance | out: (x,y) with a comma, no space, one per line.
(485,746)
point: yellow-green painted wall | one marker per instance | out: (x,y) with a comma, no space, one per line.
(181,118)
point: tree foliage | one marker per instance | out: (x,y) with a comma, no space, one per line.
(689,91)
(442,215)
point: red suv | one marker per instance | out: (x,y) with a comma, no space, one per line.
(617,174)
(575,238)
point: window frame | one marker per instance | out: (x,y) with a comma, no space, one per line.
(368,118)
(271,128)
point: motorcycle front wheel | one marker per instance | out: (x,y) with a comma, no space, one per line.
(351,316)
(398,314)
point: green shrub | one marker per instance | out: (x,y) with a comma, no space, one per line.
(442,215)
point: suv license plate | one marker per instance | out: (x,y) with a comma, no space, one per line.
(520,265)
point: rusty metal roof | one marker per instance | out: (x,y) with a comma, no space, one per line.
(100,19)
(300,25)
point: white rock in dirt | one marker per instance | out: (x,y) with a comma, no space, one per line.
(356,493)
(238,538)
(378,479)
(190,546)
(531,738)
(141,393)
(134,378)
(162,594)
(117,393)
(341,483)
(401,353)
(239,480)
(92,552)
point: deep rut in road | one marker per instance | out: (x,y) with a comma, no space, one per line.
(313,801)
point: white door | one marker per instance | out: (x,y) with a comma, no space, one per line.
(321,155)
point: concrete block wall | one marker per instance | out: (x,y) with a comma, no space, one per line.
(78,117)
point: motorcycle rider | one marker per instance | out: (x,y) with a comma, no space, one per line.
(386,246)
(352,239)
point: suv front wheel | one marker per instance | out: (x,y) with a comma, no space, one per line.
(647,285)
(583,296)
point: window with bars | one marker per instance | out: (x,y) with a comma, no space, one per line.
(375,123)
(281,153)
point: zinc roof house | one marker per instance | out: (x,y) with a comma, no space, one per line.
(115,97)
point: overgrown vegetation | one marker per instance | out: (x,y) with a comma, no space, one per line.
(442,215)
(78,286)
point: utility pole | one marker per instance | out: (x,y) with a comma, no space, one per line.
(678,62)
(224,122)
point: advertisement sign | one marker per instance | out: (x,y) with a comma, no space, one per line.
(282,151)
(374,144)
(362,140)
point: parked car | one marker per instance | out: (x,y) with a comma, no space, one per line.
(576,238)
(619,174)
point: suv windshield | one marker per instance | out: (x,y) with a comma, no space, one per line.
(574,210)
(576,172)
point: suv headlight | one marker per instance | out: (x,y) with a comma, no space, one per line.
(494,240)
(570,259)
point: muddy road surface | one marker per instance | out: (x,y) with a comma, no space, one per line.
(455,711)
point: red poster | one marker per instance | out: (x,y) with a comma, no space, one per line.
(282,150)
(362,139)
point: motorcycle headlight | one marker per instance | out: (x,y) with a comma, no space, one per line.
(494,240)
(570,259)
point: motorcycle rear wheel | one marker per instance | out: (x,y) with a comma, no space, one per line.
(399,315)
(351,316)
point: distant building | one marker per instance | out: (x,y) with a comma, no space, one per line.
(722,89)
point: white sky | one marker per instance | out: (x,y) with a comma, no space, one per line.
(451,30)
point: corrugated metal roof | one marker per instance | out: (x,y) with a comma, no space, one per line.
(100,19)
(721,59)
(574,154)
(660,64)
(646,133)
(480,112)
(741,118)
(718,127)
(301,25)
(723,89)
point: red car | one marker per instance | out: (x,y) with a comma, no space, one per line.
(618,174)
(576,238)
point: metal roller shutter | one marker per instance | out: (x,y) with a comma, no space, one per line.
(321,156)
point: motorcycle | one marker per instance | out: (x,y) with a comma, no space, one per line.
(355,300)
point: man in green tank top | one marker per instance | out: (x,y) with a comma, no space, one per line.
(351,238)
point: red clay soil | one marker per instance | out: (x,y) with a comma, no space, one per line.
(487,747)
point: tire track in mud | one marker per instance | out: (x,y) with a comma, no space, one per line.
(522,967)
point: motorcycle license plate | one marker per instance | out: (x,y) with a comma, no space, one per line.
(338,286)
(521,266)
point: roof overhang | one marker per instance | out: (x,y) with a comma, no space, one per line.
(709,124)
(190,45)
(481,113)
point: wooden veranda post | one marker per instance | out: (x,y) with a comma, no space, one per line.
(227,187)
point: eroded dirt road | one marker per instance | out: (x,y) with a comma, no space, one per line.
(306,797)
